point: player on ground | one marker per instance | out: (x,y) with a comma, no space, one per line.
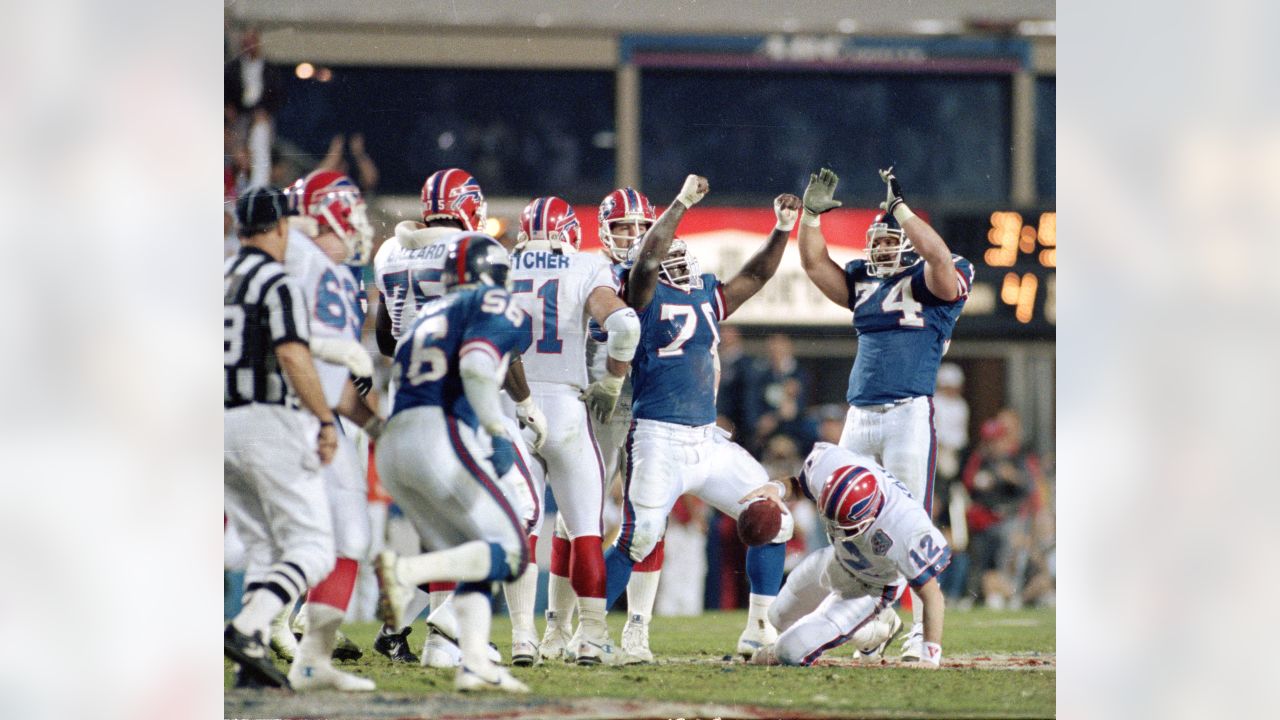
(274,493)
(625,215)
(881,541)
(674,446)
(336,235)
(446,449)
(561,289)
(906,296)
(408,271)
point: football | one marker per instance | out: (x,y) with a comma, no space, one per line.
(759,522)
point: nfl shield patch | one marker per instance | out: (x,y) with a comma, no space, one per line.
(880,542)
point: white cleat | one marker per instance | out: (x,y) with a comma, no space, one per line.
(756,636)
(889,626)
(913,646)
(440,650)
(595,648)
(635,641)
(393,596)
(324,676)
(524,651)
(555,641)
(493,677)
(765,656)
(282,640)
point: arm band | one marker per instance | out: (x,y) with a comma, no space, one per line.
(623,327)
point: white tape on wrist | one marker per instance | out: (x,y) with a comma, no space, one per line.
(810,219)
(903,213)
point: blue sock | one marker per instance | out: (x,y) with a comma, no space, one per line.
(498,567)
(483,587)
(617,568)
(764,568)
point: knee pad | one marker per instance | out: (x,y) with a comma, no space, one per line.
(646,536)
(353,538)
(316,561)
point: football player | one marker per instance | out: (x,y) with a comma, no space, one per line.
(561,289)
(332,232)
(446,449)
(881,541)
(408,270)
(906,296)
(674,446)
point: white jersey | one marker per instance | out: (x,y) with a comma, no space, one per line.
(553,289)
(332,308)
(901,544)
(407,270)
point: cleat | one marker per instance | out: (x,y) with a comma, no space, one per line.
(524,651)
(395,645)
(887,619)
(766,655)
(283,642)
(347,649)
(555,641)
(753,638)
(490,678)
(635,641)
(440,650)
(250,653)
(392,595)
(592,647)
(913,646)
(326,677)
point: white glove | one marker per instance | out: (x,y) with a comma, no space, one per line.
(601,396)
(530,415)
(348,353)
(374,427)
(787,214)
(695,188)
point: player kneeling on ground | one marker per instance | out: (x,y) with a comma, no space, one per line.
(445,451)
(881,542)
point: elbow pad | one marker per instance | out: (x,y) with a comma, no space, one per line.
(623,327)
(480,374)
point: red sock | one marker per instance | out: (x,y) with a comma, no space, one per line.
(653,563)
(560,551)
(335,590)
(441,586)
(533,549)
(586,567)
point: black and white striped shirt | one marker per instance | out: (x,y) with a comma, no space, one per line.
(262,307)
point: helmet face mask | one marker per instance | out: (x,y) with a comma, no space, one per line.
(549,223)
(889,250)
(851,499)
(331,201)
(680,268)
(625,218)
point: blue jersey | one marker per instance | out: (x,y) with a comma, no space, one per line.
(483,318)
(674,373)
(902,331)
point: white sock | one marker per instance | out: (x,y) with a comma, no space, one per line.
(591,614)
(413,609)
(467,562)
(444,612)
(257,614)
(642,591)
(474,620)
(560,600)
(758,610)
(917,611)
(321,637)
(522,594)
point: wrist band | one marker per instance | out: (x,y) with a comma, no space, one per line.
(902,213)
(326,422)
(810,219)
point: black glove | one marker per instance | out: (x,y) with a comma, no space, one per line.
(363,384)
(893,197)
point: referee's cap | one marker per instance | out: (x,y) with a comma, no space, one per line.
(260,208)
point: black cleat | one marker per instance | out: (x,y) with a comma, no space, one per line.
(250,654)
(395,645)
(347,649)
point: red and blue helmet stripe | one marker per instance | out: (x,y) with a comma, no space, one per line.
(851,498)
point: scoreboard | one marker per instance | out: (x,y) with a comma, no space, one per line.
(1015,259)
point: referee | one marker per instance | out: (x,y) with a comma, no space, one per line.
(272,448)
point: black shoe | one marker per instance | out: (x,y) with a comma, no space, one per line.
(250,654)
(347,649)
(247,680)
(395,645)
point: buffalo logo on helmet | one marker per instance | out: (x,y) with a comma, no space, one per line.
(851,499)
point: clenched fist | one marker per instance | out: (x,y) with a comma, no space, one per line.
(787,208)
(695,188)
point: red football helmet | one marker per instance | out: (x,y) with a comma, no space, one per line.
(852,499)
(549,223)
(333,201)
(455,195)
(624,206)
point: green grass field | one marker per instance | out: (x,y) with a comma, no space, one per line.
(998,664)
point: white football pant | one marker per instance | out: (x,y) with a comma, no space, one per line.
(901,438)
(574,468)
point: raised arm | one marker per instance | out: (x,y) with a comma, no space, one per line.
(644,274)
(819,197)
(939,267)
(761,266)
